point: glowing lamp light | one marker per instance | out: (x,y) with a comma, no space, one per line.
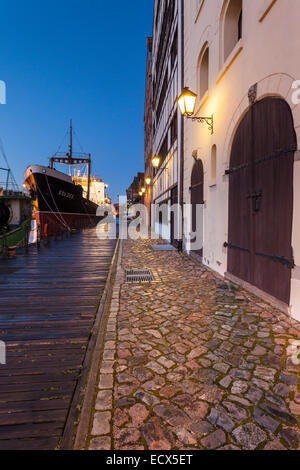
(187,102)
(148,180)
(155,162)
(143,190)
(140,193)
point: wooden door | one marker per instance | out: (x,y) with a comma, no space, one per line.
(197,198)
(261,198)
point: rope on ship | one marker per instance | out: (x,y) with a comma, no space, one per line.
(51,210)
(62,219)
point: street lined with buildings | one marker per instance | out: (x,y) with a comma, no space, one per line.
(221,135)
(184,333)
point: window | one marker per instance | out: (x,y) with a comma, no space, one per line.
(213,164)
(162,97)
(174,49)
(240,26)
(204,73)
(174,129)
(163,151)
(233,25)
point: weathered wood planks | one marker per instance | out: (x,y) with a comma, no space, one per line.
(48,302)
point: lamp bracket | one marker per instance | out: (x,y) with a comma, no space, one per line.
(204,120)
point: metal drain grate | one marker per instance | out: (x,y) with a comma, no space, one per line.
(139,275)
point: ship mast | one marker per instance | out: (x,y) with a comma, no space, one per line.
(78,159)
(71,140)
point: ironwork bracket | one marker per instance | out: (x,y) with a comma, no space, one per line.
(209,121)
(289,263)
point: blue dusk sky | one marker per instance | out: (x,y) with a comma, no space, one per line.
(84,60)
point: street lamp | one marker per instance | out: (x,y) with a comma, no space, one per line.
(143,190)
(140,194)
(156,162)
(148,181)
(187,104)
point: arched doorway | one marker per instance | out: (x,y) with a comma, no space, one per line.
(197,198)
(261,198)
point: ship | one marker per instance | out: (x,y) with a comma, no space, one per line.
(63,202)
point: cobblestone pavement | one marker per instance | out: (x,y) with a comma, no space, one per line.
(191,364)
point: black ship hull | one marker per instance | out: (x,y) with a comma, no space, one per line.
(59,205)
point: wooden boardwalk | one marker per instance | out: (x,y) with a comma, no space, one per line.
(48,302)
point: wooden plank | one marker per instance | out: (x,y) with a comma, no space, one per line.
(48,302)
(31,430)
(29,444)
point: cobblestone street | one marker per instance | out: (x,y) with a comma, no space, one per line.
(189,363)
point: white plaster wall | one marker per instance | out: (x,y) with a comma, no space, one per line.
(97,192)
(268,54)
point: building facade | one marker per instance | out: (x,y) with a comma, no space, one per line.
(132,192)
(148,129)
(97,189)
(241,59)
(167,122)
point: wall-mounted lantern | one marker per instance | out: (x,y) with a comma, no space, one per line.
(187,104)
(156,162)
(148,181)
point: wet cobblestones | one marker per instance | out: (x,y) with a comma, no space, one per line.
(189,363)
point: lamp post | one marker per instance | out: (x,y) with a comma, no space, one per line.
(187,104)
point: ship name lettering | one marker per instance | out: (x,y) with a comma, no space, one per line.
(64,194)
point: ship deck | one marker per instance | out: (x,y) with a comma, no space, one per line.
(49,298)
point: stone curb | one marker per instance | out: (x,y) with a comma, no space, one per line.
(99,335)
(101,430)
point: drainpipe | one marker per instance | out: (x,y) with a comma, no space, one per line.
(180,244)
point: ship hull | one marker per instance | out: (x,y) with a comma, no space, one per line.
(59,205)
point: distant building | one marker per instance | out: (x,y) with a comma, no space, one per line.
(97,189)
(132,192)
(148,129)
(167,84)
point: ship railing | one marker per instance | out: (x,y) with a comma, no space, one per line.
(11,190)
